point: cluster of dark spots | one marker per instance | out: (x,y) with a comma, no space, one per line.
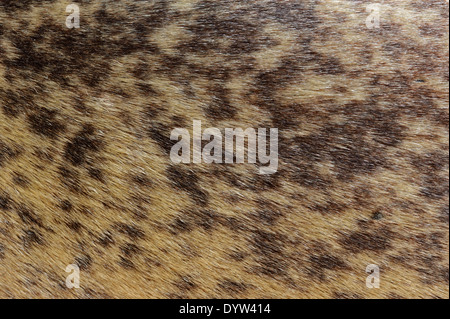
(84,262)
(233,287)
(84,52)
(44,122)
(185,283)
(106,18)
(269,82)
(2,252)
(32,237)
(20,180)
(131,231)
(187,181)
(29,58)
(360,241)
(353,156)
(85,142)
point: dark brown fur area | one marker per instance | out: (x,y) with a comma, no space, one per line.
(86,177)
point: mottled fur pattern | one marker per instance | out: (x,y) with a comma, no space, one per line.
(86,177)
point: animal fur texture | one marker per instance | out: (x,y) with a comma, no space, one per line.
(86,178)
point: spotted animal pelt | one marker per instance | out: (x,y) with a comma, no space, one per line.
(86,178)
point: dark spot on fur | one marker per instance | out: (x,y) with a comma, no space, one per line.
(161,135)
(2,252)
(32,237)
(66,206)
(76,151)
(84,262)
(126,263)
(142,180)
(435,187)
(75,226)
(131,231)
(20,180)
(44,122)
(28,217)
(6,153)
(360,241)
(268,248)
(70,179)
(129,250)
(377,216)
(185,283)
(233,287)
(5,202)
(106,239)
(186,180)
(220,107)
(444,214)
(238,256)
(330,65)
(96,174)
(323,262)
(180,225)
